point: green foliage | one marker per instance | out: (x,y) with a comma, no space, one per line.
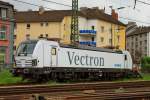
(146,77)
(7,78)
(145,64)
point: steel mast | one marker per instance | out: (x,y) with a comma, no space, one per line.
(74,37)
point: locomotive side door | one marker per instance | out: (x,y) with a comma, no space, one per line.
(54,56)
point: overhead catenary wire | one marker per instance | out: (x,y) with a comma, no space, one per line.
(32,4)
(134,20)
(70,6)
(143,2)
(57,3)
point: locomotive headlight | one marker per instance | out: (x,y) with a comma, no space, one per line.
(34,62)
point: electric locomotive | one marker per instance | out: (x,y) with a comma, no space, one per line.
(44,59)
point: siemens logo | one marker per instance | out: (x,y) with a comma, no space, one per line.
(85,60)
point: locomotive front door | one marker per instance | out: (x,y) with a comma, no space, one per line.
(54,56)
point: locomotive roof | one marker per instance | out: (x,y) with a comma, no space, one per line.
(84,47)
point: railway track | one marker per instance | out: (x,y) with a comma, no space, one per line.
(81,91)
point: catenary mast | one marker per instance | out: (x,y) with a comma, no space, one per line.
(74,37)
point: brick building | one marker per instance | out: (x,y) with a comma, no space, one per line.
(6,33)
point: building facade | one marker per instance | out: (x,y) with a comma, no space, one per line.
(6,33)
(138,43)
(96,28)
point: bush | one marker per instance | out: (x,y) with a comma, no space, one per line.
(145,64)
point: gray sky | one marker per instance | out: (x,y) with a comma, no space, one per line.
(141,13)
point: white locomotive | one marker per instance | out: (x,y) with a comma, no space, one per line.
(49,59)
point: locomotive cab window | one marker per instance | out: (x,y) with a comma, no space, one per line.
(53,51)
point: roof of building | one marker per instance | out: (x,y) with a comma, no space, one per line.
(140,30)
(5,3)
(58,15)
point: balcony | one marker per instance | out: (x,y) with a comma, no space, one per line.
(90,43)
(87,32)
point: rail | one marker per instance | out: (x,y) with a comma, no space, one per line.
(99,90)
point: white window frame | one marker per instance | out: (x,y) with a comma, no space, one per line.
(2,31)
(3,12)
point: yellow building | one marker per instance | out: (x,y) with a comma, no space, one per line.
(95,27)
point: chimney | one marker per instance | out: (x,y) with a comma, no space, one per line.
(95,8)
(41,10)
(29,9)
(84,10)
(114,14)
(102,10)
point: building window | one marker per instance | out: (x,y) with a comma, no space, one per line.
(41,36)
(93,27)
(140,35)
(140,49)
(64,27)
(132,51)
(28,36)
(3,12)
(15,36)
(110,30)
(128,44)
(118,37)
(15,26)
(140,42)
(136,38)
(102,39)
(46,24)
(46,35)
(3,33)
(92,38)
(102,29)
(145,41)
(132,44)
(28,26)
(14,47)
(132,37)
(136,46)
(41,24)
(145,49)
(110,41)
(2,55)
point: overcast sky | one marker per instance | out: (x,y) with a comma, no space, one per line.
(141,13)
